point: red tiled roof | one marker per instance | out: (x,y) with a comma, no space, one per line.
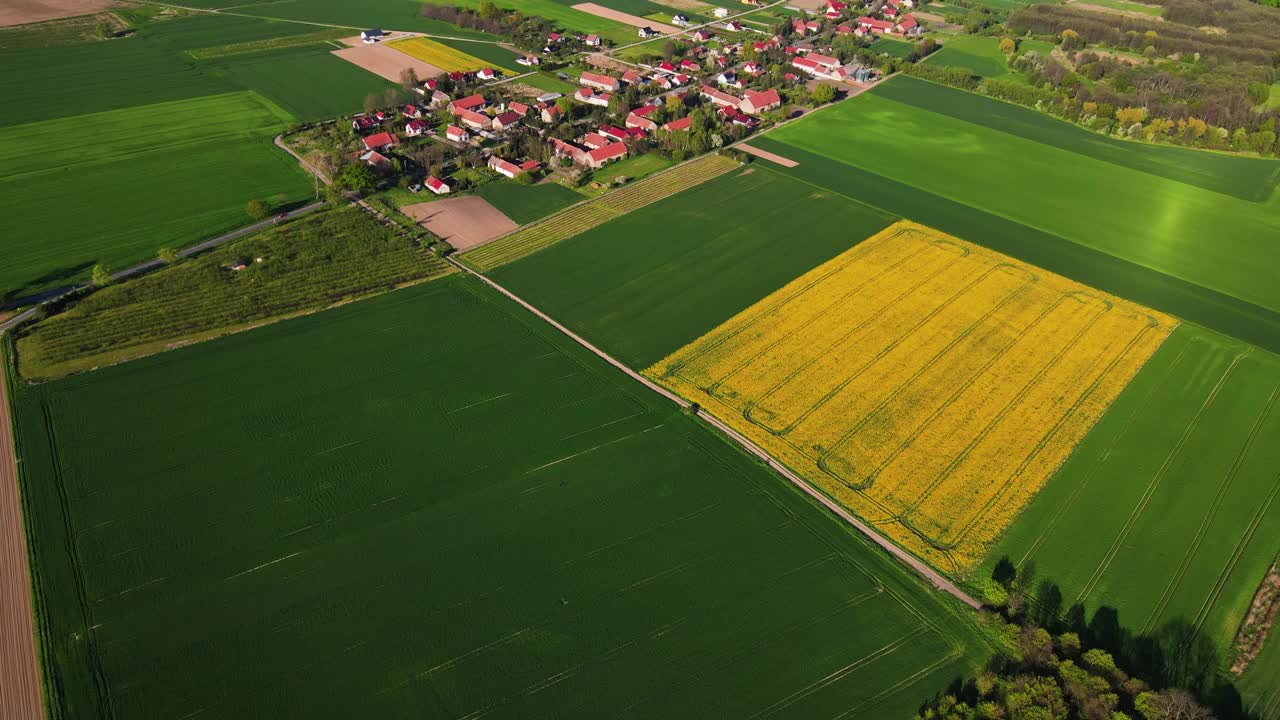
(682,124)
(645,110)
(608,152)
(435,183)
(373,142)
(763,99)
(469,102)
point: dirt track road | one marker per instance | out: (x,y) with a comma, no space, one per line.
(19,666)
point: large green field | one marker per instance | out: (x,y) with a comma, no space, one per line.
(113,187)
(309,82)
(1168,209)
(654,280)
(371,512)
(1167,511)
(1164,226)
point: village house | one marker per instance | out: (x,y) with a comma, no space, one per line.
(598,158)
(870,24)
(720,12)
(680,20)
(908,27)
(595,141)
(804,28)
(752,68)
(437,186)
(412,111)
(376,160)
(631,77)
(456,134)
(648,32)
(471,102)
(718,98)
(683,123)
(666,67)
(703,35)
(733,26)
(414,128)
(486,74)
(549,113)
(729,78)
(826,61)
(363,122)
(473,120)
(529,60)
(691,66)
(506,120)
(591,41)
(597,81)
(589,96)
(817,69)
(754,103)
(379,141)
(506,168)
(438,99)
(518,107)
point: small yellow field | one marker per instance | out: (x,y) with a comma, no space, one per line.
(442,56)
(928,384)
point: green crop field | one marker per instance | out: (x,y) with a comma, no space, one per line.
(633,168)
(980,55)
(561,13)
(653,281)
(526,203)
(1128,6)
(309,82)
(1167,511)
(911,147)
(373,512)
(546,82)
(889,46)
(387,14)
(114,187)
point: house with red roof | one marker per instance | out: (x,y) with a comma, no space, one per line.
(870,24)
(504,167)
(907,27)
(589,96)
(702,35)
(518,107)
(683,123)
(640,122)
(456,134)
(754,103)
(679,79)
(598,81)
(666,67)
(486,74)
(613,133)
(591,40)
(602,156)
(733,26)
(721,99)
(412,111)
(595,141)
(380,140)
(375,159)
(414,128)
(549,113)
(473,120)
(687,64)
(824,60)
(506,120)
(437,186)
(470,102)
(817,69)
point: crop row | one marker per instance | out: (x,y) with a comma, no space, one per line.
(588,215)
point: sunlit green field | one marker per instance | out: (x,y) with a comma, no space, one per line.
(431,504)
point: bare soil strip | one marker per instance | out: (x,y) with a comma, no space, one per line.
(771,157)
(624,18)
(463,222)
(384,61)
(21,12)
(19,666)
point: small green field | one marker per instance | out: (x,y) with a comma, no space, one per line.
(1273,100)
(116,186)
(1154,10)
(653,281)
(1149,206)
(526,203)
(634,167)
(548,82)
(891,47)
(1167,511)
(430,504)
(980,55)
(303,265)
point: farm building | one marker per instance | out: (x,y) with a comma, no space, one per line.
(589,96)
(436,185)
(721,99)
(507,119)
(456,134)
(473,120)
(597,81)
(683,123)
(471,102)
(754,103)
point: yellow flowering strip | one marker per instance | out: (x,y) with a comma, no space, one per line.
(928,384)
(442,56)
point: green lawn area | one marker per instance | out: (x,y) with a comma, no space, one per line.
(548,82)
(1155,10)
(526,203)
(1273,101)
(114,187)
(980,55)
(431,504)
(633,167)
(660,277)
(889,46)
(1167,510)
(1147,205)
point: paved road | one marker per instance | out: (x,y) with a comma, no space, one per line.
(51,295)
(20,696)
(936,579)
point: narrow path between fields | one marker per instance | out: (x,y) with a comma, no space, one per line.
(920,567)
(20,695)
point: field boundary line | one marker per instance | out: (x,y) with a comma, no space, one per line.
(21,691)
(1207,520)
(1097,464)
(920,567)
(1246,537)
(1154,485)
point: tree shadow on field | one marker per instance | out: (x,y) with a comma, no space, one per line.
(1174,654)
(34,290)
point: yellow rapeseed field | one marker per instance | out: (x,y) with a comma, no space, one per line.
(442,56)
(930,385)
